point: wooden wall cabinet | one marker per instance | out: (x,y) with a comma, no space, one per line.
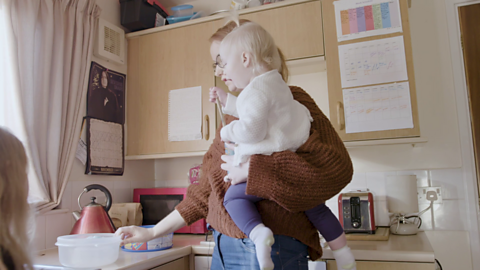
(371,265)
(296,29)
(177,56)
(160,62)
(335,95)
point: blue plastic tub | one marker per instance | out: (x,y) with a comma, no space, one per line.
(160,243)
(183,10)
(175,19)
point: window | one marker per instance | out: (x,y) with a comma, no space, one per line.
(10,109)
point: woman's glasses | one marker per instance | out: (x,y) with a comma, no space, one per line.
(218,62)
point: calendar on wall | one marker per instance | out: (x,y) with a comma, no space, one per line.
(373,62)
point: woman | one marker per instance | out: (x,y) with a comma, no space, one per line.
(290,183)
(14,206)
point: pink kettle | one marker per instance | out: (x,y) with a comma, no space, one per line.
(94,217)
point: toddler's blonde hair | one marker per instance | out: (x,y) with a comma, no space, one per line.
(252,38)
(14,207)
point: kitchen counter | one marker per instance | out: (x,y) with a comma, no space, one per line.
(182,246)
(414,248)
(398,248)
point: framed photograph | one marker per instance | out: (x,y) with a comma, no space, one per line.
(106,94)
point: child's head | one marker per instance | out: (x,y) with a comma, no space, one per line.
(248,51)
(14,206)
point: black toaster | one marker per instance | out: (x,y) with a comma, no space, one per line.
(355,210)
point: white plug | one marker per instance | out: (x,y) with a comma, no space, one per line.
(432,195)
(429,194)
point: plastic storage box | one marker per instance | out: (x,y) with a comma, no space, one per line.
(142,14)
(183,10)
(91,250)
(175,19)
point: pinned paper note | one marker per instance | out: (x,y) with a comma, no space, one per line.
(373,62)
(359,19)
(185,114)
(380,107)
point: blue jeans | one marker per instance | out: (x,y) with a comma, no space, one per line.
(239,254)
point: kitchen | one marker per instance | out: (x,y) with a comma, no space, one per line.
(444,160)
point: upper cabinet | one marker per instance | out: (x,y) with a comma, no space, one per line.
(296,29)
(160,62)
(178,56)
(380,107)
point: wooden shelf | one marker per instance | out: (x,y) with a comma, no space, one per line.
(215,17)
(169,155)
(413,141)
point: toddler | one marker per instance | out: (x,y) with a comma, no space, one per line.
(270,120)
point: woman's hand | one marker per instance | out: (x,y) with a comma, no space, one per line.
(135,234)
(236,174)
(218,92)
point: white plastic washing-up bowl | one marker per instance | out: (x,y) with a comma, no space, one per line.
(92,250)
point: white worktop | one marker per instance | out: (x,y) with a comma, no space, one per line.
(415,248)
(182,246)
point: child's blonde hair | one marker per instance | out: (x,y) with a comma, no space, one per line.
(14,207)
(223,31)
(252,38)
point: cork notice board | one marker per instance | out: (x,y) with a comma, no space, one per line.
(404,77)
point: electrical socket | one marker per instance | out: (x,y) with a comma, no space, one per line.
(424,191)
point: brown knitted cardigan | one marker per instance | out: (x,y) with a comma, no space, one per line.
(290,182)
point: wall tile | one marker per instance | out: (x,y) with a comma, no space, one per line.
(426,217)
(358,182)
(57,225)
(451,215)
(376,184)
(39,239)
(422,176)
(381,213)
(451,181)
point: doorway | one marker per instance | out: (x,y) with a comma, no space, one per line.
(469,18)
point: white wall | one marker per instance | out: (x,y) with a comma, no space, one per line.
(452,225)
(138,174)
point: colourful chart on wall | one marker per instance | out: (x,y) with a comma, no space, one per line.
(379,107)
(373,62)
(364,18)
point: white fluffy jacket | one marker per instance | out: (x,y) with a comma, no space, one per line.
(270,120)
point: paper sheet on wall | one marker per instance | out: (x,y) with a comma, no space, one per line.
(185,114)
(106,144)
(373,62)
(81,153)
(365,18)
(380,107)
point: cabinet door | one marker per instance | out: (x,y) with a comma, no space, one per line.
(296,29)
(363,265)
(179,264)
(335,94)
(160,62)
(203,262)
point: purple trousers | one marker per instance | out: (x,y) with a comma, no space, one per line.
(243,212)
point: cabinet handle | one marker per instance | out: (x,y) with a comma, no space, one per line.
(340,116)
(207,128)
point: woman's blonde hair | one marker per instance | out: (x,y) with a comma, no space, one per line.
(14,207)
(222,32)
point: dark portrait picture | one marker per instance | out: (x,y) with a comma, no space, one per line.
(106,94)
